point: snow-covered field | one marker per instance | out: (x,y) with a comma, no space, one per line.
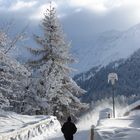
(22,127)
(122,128)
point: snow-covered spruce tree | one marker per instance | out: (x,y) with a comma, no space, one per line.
(34,102)
(4,41)
(13,81)
(54,57)
(13,77)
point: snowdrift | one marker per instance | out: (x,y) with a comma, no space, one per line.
(22,127)
(131,107)
(122,128)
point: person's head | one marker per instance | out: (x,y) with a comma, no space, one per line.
(69,119)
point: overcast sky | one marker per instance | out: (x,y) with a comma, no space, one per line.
(101,14)
(80,18)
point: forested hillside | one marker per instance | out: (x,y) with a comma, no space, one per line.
(95,81)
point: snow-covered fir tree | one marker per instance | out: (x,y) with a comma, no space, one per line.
(53,58)
(13,75)
(13,81)
(34,102)
(4,41)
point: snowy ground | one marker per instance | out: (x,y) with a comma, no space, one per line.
(122,128)
(23,127)
(80,135)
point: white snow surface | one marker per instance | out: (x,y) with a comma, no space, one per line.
(122,128)
(23,127)
(132,106)
(108,47)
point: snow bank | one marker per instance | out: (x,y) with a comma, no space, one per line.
(93,117)
(120,128)
(130,108)
(23,127)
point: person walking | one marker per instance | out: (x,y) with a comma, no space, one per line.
(68,129)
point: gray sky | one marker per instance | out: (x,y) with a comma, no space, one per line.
(99,15)
(80,18)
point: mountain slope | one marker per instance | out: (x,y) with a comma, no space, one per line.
(97,86)
(108,47)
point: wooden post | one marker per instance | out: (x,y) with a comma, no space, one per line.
(92,133)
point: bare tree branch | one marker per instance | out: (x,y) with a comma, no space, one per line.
(16,39)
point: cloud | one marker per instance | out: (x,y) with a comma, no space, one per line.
(83,16)
(35,9)
(82,20)
(22,5)
(40,10)
(98,5)
(39,13)
(102,7)
(95,5)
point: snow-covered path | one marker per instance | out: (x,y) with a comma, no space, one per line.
(121,128)
(25,127)
(124,128)
(80,135)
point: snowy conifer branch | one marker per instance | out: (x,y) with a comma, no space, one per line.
(54,58)
(17,38)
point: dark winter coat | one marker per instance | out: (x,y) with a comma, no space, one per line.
(68,129)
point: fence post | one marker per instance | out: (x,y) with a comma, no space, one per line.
(92,133)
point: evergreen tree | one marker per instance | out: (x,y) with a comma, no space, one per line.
(34,101)
(4,41)
(13,75)
(13,80)
(53,59)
